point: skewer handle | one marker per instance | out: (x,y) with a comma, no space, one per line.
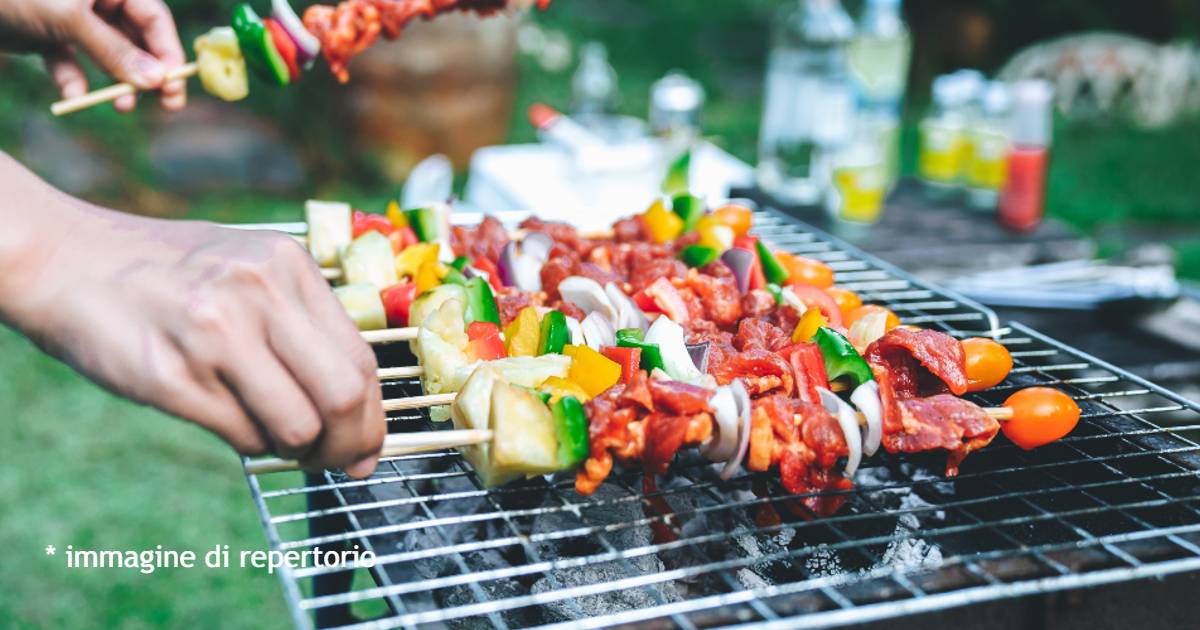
(418,402)
(394,445)
(113,92)
(390,335)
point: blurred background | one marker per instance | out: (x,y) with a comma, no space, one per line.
(82,467)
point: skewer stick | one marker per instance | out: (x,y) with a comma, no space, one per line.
(394,445)
(389,335)
(396,373)
(113,92)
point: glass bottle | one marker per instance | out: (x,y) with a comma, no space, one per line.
(808,111)
(988,136)
(879,56)
(1023,200)
(940,154)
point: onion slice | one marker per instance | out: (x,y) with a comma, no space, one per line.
(588,295)
(573,325)
(668,336)
(518,270)
(598,332)
(866,398)
(791,299)
(537,245)
(848,419)
(740,262)
(723,445)
(307,44)
(744,406)
(628,313)
(699,354)
(866,329)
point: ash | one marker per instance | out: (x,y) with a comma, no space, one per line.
(912,554)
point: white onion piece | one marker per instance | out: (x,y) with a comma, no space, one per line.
(537,245)
(790,299)
(866,398)
(658,375)
(588,295)
(864,331)
(628,313)
(598,332)
(721,446)
(848,419)
(668,336)
(518,270)
(306,43)
(577,338)
(744,407)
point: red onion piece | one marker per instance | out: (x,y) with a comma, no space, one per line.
(537,245)
(848,419)
(699,354)
(518,270)
(740,262)
(724,442)
(744,411)
(307,45)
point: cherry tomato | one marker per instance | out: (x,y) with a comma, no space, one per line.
(987,363)
(1040,416)
(397,299)
(363,222)
(401,238)
(738,218)
(892,320)
(846,299)
(818,298)
(802,270)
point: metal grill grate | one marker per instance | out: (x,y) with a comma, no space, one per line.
(1116,500)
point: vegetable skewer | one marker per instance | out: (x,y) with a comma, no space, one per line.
(394,445)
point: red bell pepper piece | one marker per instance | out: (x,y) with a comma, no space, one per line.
(493,272)
(486,343)
(363,222)
(481,329)
(758,280)
(396,301)
(818,298)
(666,297)
(286,47)
(628,358)
(645,301)
(402,237)
(808,368)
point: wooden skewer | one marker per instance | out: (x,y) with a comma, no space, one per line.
(394,445)
(396,373)
(113,92)
(389,335)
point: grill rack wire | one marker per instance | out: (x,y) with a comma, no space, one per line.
(1114,501)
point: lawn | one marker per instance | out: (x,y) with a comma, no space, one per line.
(82,467)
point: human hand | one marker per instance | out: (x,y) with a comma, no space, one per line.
(233,330)
(133,40)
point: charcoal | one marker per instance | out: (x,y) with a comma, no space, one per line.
(621,511)
(604,603)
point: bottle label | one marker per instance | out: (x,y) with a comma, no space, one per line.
(941,154)
(988,167)
(859,192)
(1023,199)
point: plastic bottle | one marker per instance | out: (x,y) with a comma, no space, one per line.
(808,112)
(972,83)
(988,137)
(942,137)
(879,56)
(859,183)
(1022,203)
(594,92)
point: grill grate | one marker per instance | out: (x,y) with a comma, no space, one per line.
(1114,501)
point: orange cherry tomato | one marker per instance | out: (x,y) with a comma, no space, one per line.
(802,270)
(987,363)
(846,299)
(738,218)
(892,320)
(1040,416)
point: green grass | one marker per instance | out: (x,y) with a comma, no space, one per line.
(82,467)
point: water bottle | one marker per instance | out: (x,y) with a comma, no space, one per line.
(808,110)
(988,137)
(879,56)
(942,137)
(594,86)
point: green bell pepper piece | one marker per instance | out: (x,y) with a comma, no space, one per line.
(424,222)
(481,304)
(651,354)
(776,292)
(571,425)
(629,334)
(257,46)
(676,181)
(698,255)
(460,263)
(454,276)
(772,268)
(553,333)
(689,208)
(841,359)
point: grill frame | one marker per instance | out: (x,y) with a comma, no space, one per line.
(916,302)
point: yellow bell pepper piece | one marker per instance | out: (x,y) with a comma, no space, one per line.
(714,234)
(591,370)
(427,277)
(396,215)
(410,260)
(662,224)
(812,320)
(521,334)
(558,387)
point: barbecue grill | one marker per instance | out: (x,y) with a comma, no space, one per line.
(1113,502)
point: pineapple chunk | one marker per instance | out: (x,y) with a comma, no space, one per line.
(328,230)
(363,305)
(220,64)
(524,440)
(368,259)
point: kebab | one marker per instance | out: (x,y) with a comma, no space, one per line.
(279,48)
(823,334)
